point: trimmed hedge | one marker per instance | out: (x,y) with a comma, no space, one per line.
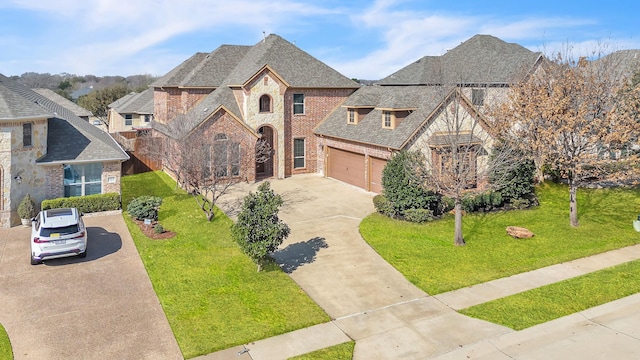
(86,204)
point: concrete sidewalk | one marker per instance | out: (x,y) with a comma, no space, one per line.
(610,330)
(388,317)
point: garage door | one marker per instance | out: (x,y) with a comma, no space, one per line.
(375,175)
(347,166)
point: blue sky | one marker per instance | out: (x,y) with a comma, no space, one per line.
(361,39)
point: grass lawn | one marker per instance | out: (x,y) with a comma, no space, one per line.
(210,291)
(339,352)
(5,345)
(550,302)
(425,253)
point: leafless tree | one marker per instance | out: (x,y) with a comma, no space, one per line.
(458,157)
(205,161)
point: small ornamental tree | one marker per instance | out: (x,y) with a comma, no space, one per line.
(258,230)
(27,208)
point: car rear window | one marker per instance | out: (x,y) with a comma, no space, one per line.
(64,230)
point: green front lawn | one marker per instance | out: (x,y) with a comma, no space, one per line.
(210,291)
(552,301)
(5,345)
(343,351)
(425,253)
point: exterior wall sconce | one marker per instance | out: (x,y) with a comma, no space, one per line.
(18,179)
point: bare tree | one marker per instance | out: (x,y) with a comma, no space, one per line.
(205,161)
(457,158)
(569,115)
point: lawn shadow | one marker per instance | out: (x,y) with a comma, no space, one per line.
(298,254)
(100,243)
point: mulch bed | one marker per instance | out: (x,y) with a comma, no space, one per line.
(150,232)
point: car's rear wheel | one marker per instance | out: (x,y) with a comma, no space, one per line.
(34,261)
(83,254)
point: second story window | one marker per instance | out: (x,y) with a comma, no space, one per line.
(387,120)
(352,116)
(128,119)
(27,131)
(477,97)
(147,118)
(298,104)
(265,103)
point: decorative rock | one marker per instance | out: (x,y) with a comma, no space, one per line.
(519,232)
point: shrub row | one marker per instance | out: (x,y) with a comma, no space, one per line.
(86,204)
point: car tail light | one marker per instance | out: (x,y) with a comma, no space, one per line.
(38,240)
(80,235)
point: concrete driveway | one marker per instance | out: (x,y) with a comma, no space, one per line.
(99,307)
(369,300)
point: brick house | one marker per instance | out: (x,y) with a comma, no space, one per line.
(49,152)
(404,110)
(272,91)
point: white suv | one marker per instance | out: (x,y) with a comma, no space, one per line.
(57,233)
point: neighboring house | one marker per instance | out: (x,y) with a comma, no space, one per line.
(77,110)
(272,91)
(131,112)
(404,110)
(49,152)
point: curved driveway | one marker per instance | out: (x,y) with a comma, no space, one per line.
(99,307)
(369,300)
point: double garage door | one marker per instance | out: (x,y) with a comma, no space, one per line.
(354,169)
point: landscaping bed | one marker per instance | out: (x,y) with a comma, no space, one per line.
(210,291)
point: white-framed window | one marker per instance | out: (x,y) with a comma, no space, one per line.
(352,116)
(226,157)
(82,179)
(265,103)
(27,132)
(298,104)
(298,153)
(477,97)
(128,119)
(388,119)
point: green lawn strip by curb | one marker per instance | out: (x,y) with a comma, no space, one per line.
(5,345)
(343,351)
(553,301)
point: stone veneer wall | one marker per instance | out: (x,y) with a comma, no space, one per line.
(15,159)
(111,169)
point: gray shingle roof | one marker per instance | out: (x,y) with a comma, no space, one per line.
(184,123)
(296,67)
(135,103)
(483,59)
(623,63)
(51,95)
(369,128)
(69,138)
(204,69)
(13,106)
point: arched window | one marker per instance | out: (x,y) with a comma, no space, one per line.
(265,103)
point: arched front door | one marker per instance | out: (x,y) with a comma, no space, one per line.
(264,167)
